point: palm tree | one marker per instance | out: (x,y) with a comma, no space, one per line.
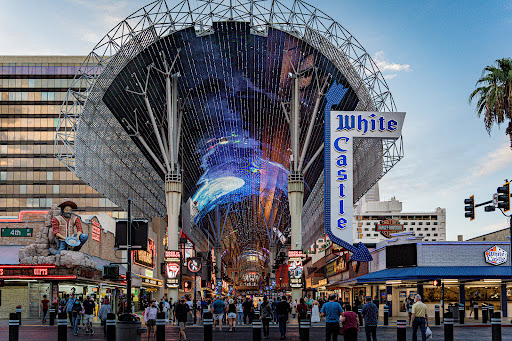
(494,94)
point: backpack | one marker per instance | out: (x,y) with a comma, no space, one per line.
(302,312)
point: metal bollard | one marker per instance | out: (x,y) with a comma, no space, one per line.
(496,326)
(111,327)
(256,330)
(401,330)
(18,311)
(359,314)
(438,315)
(62,327)
(448,326)
(51,311)
(475,311)
(160,326)
(461,313)
(490,312)
(304,327)
(386,315)
(484,313)
(207,325)
(14,327)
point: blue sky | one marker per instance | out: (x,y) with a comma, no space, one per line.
(431,52)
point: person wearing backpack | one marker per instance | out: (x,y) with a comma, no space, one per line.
(302,314)
(266,315)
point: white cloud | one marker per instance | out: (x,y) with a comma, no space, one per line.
(494,227)
(494,161)
(391,76)
(385,65)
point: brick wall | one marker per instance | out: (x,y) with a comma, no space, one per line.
(11,297)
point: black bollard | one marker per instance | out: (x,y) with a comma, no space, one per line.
(160,326)
(401,330)
(207,325)
(448,326)
(14,327)
(62,327)
(386,315)
(51,311)
(461,313)
(111,327)
(18,312)
(490,312)
(304,327)
(256,330)
(496,326)
(475,311)
(484,313)
(438,315)
(359,314)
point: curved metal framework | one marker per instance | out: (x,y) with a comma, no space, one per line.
(142,182)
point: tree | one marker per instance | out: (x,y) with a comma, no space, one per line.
(494,95)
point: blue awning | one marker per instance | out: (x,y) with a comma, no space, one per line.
(435,272)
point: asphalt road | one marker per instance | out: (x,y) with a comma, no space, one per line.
(44,333)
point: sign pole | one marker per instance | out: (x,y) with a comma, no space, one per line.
(129,259)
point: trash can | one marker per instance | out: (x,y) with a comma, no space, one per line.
(129,327)
(454,309)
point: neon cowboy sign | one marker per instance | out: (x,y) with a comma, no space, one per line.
(341,129)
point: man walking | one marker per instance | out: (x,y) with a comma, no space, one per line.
(419,318)
(180,313)
(88,315)
(218,308)
(370,313)
(105,309)
(332,311)
(44,306)
(283,308)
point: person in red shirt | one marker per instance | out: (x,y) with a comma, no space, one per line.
(350,323)
(66,225)
(44,306)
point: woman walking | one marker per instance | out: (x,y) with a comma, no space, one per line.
(150,318)
(315,312)
(231,314)
(240,311)
(350,324)
(266,315)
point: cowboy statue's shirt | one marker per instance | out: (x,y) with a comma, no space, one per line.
(66,227)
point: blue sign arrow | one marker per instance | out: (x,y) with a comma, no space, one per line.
(359,253)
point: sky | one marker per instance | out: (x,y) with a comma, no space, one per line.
(431,53)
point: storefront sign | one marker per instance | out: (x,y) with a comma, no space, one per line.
(495,255)
(173,274)
(295,268)
(389,226)
(96,229)
(146,258)
(341,129)
(172,256)
(295,254)
(323,282)
(151,281)
(47,272)
(194,265)
(17,232)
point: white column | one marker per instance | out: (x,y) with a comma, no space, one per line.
(173,187)
(296,198)
(218,264)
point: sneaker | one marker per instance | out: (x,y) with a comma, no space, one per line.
(92,331)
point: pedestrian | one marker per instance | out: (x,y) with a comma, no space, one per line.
(167,307)
(240,312)
(419,318)
(408,307)
(76,312)
(180,313)
(247,310)
(370,313)
(332,311)
(315,312)
(231,314)
(274,305)
(302,314)
(266,315)
(105,309)
(44,307)
(218,308)
(150,318)
(283,308)
(350,323)
(89,306)
(69,308)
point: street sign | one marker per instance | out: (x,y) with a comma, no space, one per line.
(17,232)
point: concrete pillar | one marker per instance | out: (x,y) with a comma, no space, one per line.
(503,299)
(218,264)
(173,186)
(389,291)
(296,198)
(271,263)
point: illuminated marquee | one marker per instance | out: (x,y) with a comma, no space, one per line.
(146,258)
(341,129)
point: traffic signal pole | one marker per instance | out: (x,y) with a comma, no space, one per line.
(129,259)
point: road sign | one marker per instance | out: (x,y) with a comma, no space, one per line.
(17,232)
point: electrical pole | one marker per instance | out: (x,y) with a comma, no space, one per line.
(129,259)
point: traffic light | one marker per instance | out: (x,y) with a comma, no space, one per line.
(111,271)
(437,283)
(470,207)
(504,197)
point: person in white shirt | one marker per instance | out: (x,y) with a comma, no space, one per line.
(150,318)
(167,307)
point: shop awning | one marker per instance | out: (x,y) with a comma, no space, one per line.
(435,272)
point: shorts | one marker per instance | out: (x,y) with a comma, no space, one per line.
(182,325)
(88,318)
(231,315)
(151,323)
(218,316)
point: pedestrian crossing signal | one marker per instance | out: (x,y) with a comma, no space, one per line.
(437,283)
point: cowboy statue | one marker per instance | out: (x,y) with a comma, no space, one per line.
(67,229)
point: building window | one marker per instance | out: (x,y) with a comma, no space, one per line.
(435,234)
(420,223)
(366,229)
(428,223)
(376,235)
(428,234)
(413,223)
(406,223)
(418,229)
(49,175)
(23,189)
(435,222)
(367,223)
(3,176)
(56,189)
